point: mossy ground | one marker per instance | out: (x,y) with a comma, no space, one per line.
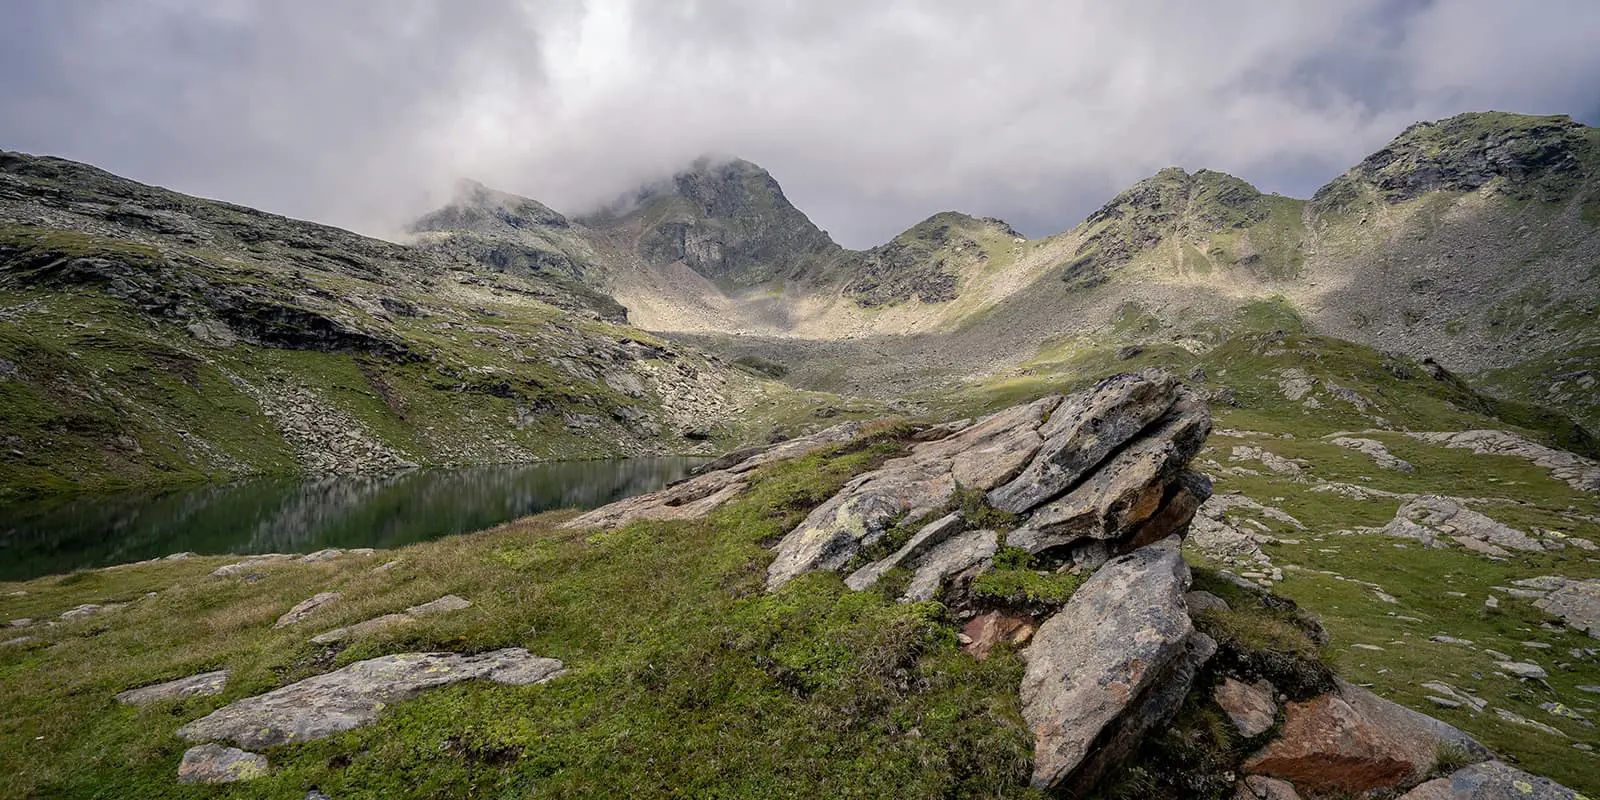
(686,678)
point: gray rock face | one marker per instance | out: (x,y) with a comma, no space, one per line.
(1491,780)
(908,488)
(1578,472)
(954,556)
(1127,489)
(1083,432)
(353,696)
(305,608)
(1260,787)
(1376,450)
(213,763)
(1116,639)
(206,684)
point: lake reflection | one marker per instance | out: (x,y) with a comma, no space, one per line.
(295,515)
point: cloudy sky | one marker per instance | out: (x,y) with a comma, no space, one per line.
(873,115)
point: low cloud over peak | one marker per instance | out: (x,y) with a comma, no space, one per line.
(872,116)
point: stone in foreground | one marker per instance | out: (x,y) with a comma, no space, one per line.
(1260,787)
(206,684)
(1117,639)
(1352,741)
(353,696)
(1492,780)
(214,763)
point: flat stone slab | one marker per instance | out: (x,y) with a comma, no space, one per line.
(348,698)
(206,684)
(305,607)
(444,604)
(214,763)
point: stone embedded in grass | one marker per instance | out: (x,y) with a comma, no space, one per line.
(1260,787)
(246,566)
(1576,602)
(88,610)
(354,695)
(1491,780)
(214,763)
(1518,719)
(444,604)
(206,684)
(1374,449)
(328,554)
(305,608)
(1431,519)
(1578,472)
(1523,669)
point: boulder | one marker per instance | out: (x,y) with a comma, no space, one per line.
(1430,518)
(206,684)
(305,607)
(214,763)
(1576,602)
(1491,780)
(1116,641)
(1249,706)
(347,698)
(1082,432)
(1351,741)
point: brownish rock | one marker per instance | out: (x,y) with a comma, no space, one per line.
(1352,741)
(987,630)
(1249,706)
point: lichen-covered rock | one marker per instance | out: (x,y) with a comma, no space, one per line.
(353,696)
(1082,432)
(930,536)
(214,763)
(1429,518)
(1491,780)
(1116,640)
(724,480)
(991,628)
(206,684)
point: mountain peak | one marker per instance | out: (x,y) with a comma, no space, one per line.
(479,209)
(725,218)
(1516,154)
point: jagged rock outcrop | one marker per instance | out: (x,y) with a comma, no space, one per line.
(354,695)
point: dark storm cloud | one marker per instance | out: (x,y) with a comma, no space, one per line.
(873,115)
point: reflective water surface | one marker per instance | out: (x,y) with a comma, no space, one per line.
(295,515)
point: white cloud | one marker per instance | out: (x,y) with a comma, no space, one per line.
(872,115)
